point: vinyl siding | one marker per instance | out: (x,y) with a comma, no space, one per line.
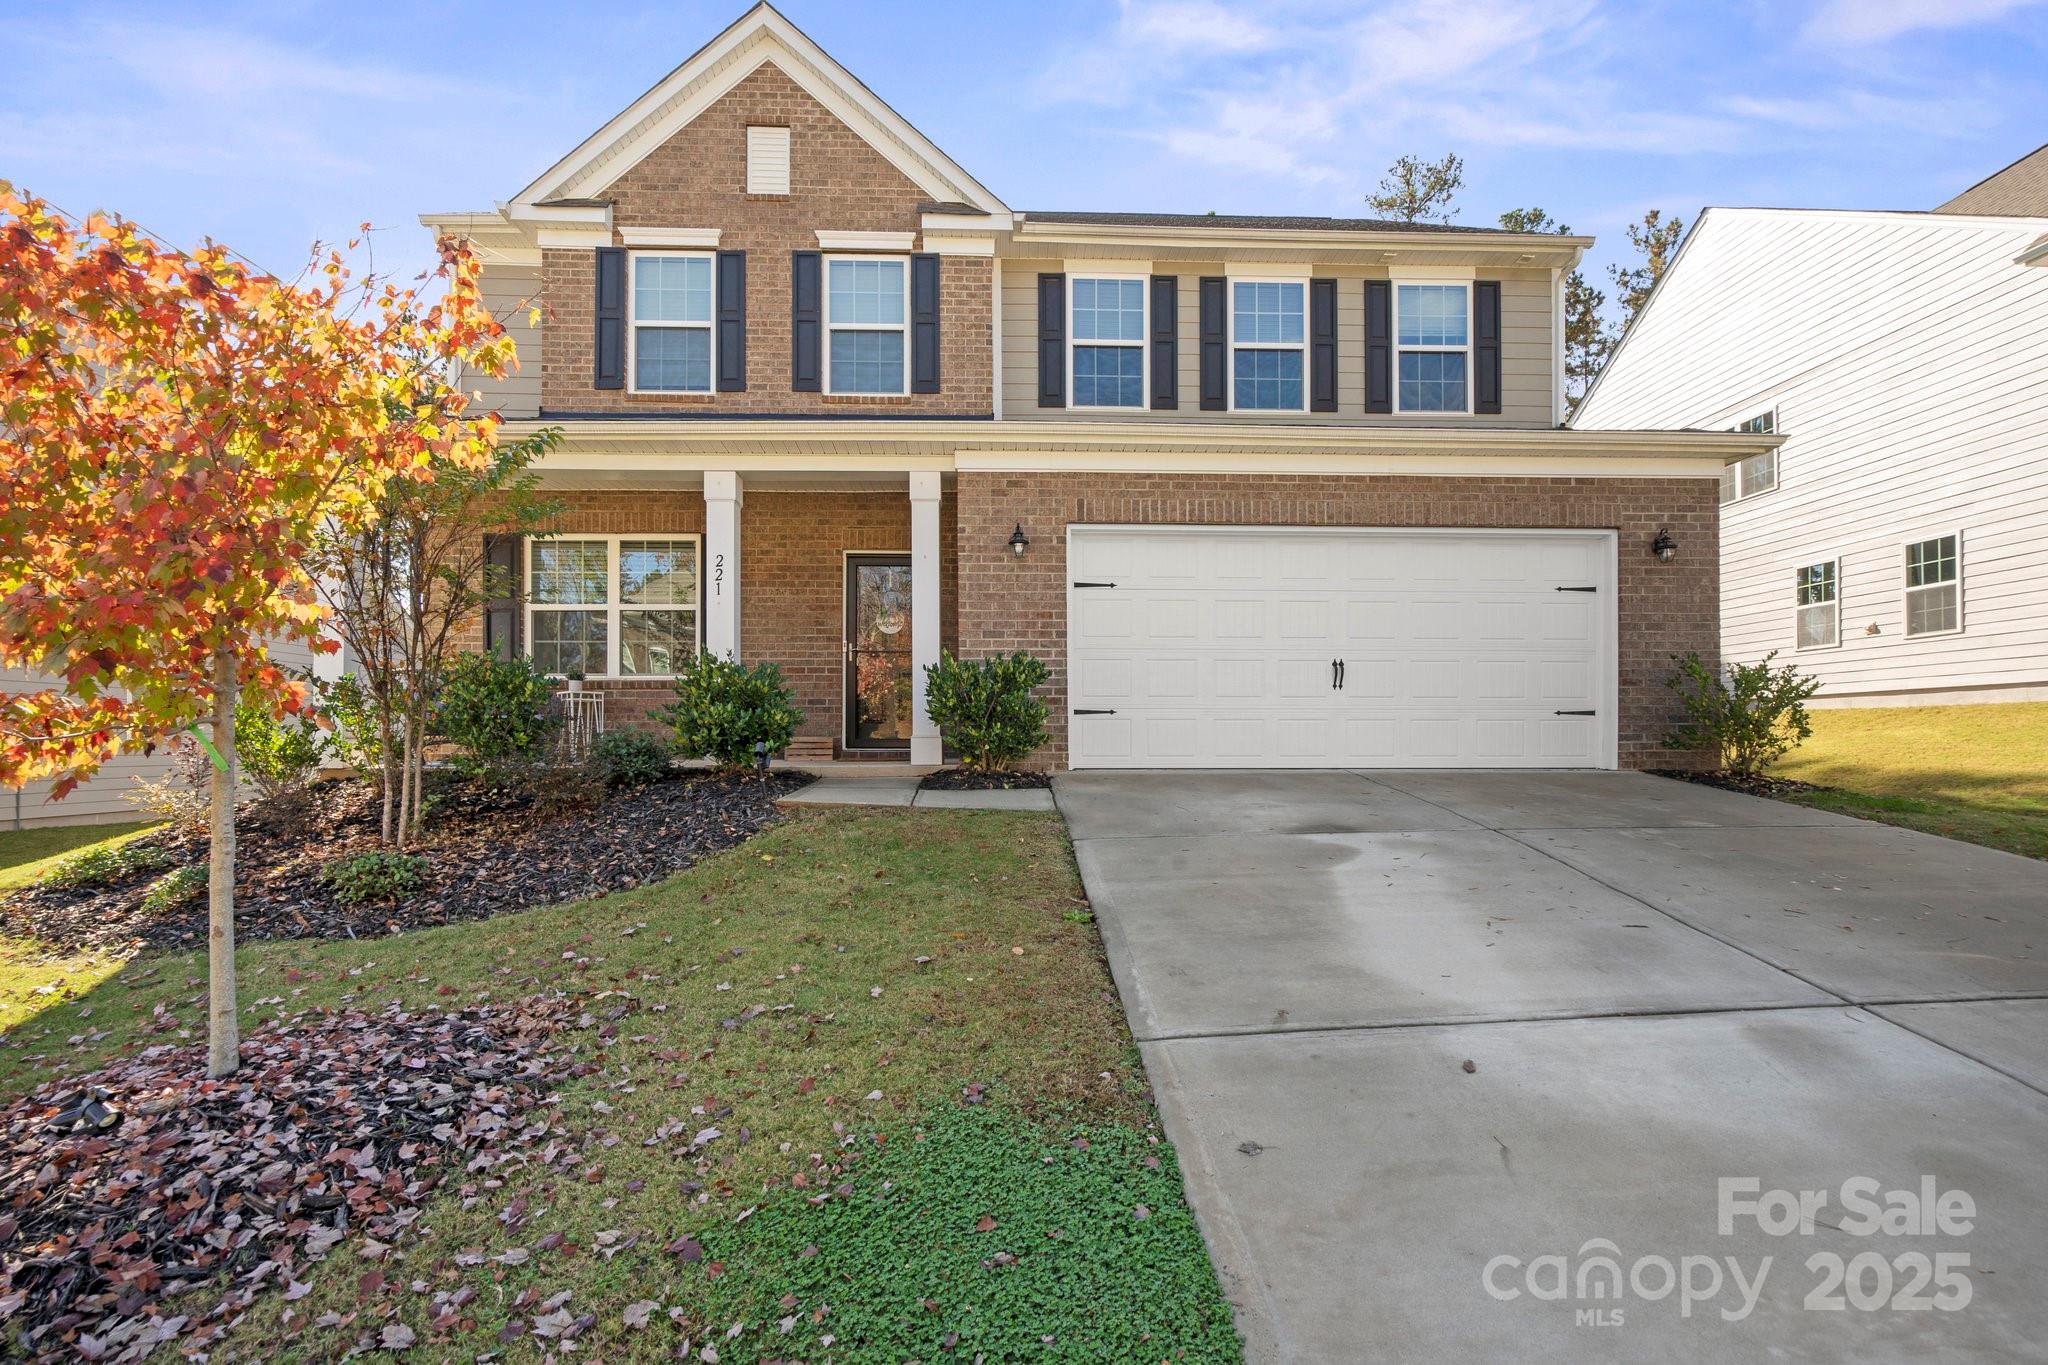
(1526,360)
(512,292)
(1908,359)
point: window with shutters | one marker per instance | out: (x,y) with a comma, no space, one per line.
(1758,473)
(669,322)
(1934,586)
(611,606)
(1268,338)
(1817,607)
(1433,347)
(866,324)
(1106,321)
(767,160)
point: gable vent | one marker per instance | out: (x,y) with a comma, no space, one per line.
(767,161)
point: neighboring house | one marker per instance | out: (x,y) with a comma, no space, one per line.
(1896,545)
(1263,492)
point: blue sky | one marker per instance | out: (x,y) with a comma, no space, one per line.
(269,125)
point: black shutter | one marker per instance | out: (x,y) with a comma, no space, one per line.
(1379,345)
(924,324)
(1215,344)
(1322,345)
(501,607)
(732,322)
(806,321)
(610,350)
(1165,342)
(1486,346)
(1052,341)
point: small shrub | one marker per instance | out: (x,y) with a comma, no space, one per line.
(723,708)
(183,794)
(986,709)
(174,889)
(561,789)
(346,705)
(104,865)
(369,877)
(1752,716)
(629,758)
(279,755)
(495,709)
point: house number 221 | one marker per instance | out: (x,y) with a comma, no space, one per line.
(718,575)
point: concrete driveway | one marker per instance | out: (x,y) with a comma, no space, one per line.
(1437,1049)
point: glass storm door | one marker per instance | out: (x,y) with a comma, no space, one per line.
(878,652)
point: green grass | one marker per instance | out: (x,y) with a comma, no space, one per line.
(33,977)
(819,921)
(1978,773)
(26,854)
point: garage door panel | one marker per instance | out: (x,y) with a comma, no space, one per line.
(1215,648)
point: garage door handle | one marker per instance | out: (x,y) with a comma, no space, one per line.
(1571,713)
(1095,585)
(1589,589)
(1091,711)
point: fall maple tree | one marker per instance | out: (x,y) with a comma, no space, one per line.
(176,431)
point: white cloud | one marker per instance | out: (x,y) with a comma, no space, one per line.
(1875,21)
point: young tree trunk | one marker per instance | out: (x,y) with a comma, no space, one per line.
(405,783)
(223,1037)
(384,769)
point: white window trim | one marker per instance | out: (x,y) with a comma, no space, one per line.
(1806,562)
(829,326)
(1742,493)
(612,607)
(1230,285)
(1906,593)
(1143,343)
(633,323)
(1399,282)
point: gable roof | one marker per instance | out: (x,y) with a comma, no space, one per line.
(761,35)
(2020,190)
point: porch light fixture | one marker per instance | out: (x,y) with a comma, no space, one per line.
(1019,542)
(1664,547)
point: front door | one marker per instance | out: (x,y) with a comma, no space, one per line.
(878,652)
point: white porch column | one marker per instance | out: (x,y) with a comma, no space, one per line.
(925,744)
(722,502)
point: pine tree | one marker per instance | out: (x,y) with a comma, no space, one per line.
(1416,191)
(1657,241)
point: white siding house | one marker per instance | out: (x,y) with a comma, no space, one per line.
(1896,545)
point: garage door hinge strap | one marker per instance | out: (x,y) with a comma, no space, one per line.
(1089,711)
(1578,589)
(1571,713)
(1095,585)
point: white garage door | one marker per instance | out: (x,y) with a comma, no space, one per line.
(1199,647)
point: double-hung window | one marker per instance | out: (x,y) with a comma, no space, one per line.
(1758,473)
(1433,336)
(671,326)
(1818,609)
(1108,328)
(1268,332)
(1934,586)
(865,311)
(611,606)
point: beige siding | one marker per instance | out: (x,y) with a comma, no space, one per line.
(1907,358)
(1526,357)
(512,292)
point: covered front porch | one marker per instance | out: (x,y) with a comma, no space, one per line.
(844,579)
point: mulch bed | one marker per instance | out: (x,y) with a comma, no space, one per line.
(144,1203)
(480,860)
(970,780)
(1749,786)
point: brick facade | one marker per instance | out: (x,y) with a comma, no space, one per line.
(1665,609)
(697,179)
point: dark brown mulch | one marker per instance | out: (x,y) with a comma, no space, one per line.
(1761,785)
(971,780)
(481,859)
(144,1203)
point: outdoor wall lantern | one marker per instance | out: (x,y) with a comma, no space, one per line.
(1019,542)
(1664,547)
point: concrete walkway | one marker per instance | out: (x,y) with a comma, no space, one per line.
(846,785)
(1407,1026)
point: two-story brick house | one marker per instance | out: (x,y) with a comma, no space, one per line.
(1264,492)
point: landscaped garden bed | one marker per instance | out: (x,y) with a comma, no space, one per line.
(978,780)
(481,854)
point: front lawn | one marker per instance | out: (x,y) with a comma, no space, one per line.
(26,854)
(1978,773)
(870,1097)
